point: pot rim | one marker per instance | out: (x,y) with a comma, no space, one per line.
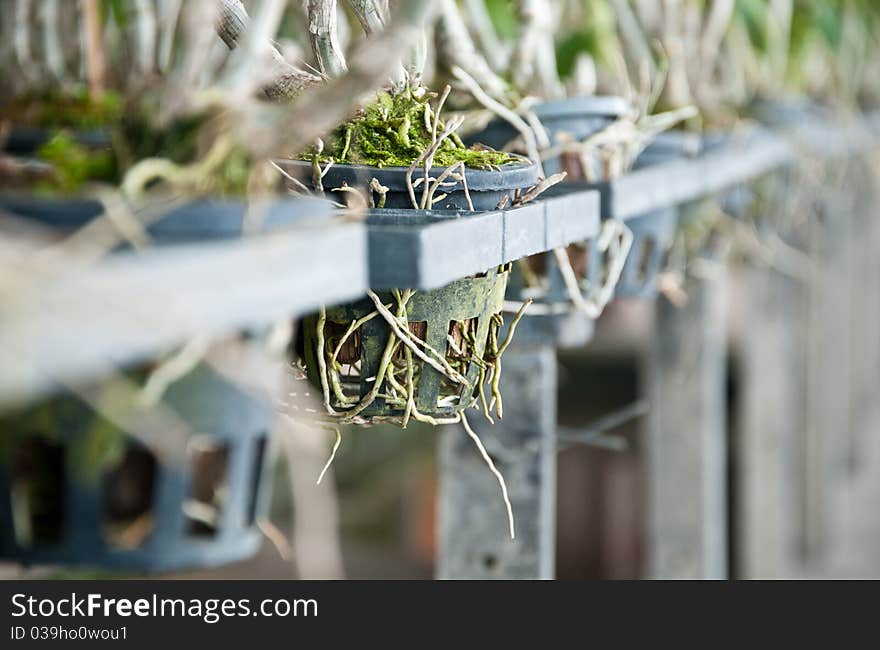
(510,176)
(584,105)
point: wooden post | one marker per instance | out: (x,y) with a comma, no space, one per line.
(686,445)
(474,541)
(865,309)
(827,431)
(767,442)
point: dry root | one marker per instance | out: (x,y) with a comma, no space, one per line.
(404,356)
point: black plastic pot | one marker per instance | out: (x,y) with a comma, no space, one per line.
(57,507)
(653,236)
(671,145)
(26,141)
(576,118)
(487,187)
(788,112)
(654,233)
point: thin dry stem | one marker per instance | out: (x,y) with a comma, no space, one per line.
(488,460)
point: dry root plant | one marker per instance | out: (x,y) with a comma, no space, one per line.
(404,355)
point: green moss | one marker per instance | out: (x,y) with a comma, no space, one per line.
(393,131)
(76,110)
(75,164)
(130,129)
(232,176)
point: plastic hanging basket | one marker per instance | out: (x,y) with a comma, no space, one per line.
(653,237)
(582,284)
(654,232)
(434,316)
(197,507)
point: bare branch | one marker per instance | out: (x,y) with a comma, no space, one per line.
(51,39)
(371,14)
(455,48)
(145,26)
(22,38)
(323,109)
(283,81)
(95,67)
(324,39)
(534,65)
(169,11)
(495,51)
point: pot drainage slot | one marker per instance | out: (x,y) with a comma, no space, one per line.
(347,348)
(646,255)
(128,499)
(257,471)
(461,343)
(37,494)
(208,485)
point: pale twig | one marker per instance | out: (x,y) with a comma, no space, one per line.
(428,155)
(442,366)
(299,184)
(276,537)
(151,169)
(493,49)
(502,111)
(322,110)
(616,240)
(322,362)
(329,462)
(512,329)
(534,58)
(172,370)
(352,328)
(536,191)
(282,80)
(449,172)
(488,460)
